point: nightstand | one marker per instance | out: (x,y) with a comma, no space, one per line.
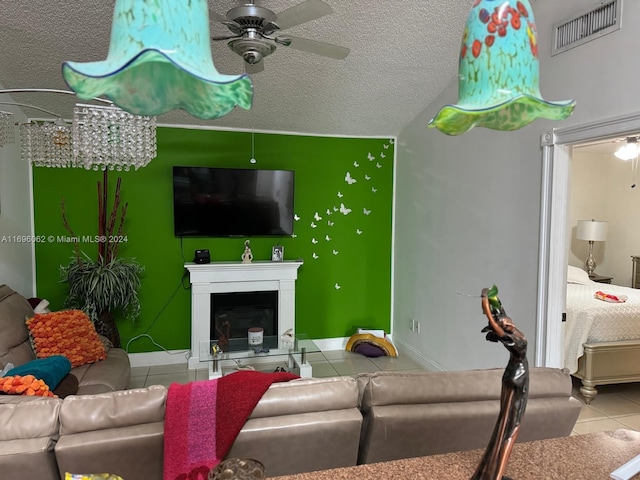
(601,279)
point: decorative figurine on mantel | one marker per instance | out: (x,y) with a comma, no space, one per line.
(515,388)
(247,256)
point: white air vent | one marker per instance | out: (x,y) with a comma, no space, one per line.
(597,21)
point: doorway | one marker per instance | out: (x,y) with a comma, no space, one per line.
(557,145)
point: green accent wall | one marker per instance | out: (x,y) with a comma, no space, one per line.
(343,231)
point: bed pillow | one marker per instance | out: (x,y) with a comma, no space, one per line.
(68,332)
(577,275)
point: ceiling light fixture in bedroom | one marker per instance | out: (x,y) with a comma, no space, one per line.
(629,150)
(591,231)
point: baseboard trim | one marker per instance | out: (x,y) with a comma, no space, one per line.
(418,357)
(151,359)
(338,343)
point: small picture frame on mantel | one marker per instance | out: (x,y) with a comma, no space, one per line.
(277,253)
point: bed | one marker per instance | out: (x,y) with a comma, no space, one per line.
(602,339)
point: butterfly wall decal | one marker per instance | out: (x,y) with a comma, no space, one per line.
(382,155)
(315,257)
(367,177)
(327,238)
(385,146)
(340,195)
(366,212)
(338,287)
(313,225)
(344,210)
(314,241)
(356,164)
(329,212)
(374,189)
(371,157)
(378,165)
(335,252)
(330,223)
(296,217)
(317,217)
(358,231)
(349,179)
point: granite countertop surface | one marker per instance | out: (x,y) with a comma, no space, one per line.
(580,457)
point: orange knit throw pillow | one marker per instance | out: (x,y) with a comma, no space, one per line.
(68,332)
(25,385)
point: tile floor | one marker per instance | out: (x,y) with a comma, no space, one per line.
(327,364)
(616,406)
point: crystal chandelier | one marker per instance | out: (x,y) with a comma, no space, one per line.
(100,137)
(110,138)
(47,144)
(6,128)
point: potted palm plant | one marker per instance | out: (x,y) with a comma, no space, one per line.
(108,284)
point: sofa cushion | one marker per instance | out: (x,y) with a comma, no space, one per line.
(27,447)
(107,375)
(29,418)
(14,341)
(52,369)
(68,332)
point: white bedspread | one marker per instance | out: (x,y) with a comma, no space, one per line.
(591,321)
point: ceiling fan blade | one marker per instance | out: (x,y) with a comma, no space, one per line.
(224,37)
(313,46)
(251,68)
(217,17)
(303,12)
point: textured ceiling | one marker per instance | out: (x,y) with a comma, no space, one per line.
(403,54)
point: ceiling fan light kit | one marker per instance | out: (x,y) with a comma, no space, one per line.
(252,27)
(160,60)
(499,72)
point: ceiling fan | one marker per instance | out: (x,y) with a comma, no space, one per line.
(253,28)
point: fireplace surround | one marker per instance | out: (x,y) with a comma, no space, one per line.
(230,277)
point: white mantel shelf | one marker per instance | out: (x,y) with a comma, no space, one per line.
(229,277)
(242,272)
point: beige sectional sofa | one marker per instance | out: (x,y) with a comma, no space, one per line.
(107,375)
(298,426)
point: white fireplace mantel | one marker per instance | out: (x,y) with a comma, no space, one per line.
(230,277)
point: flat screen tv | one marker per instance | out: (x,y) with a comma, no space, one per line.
(232,202)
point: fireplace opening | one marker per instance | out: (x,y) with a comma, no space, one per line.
(233,314)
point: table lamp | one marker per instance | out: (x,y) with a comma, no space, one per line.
(591,231)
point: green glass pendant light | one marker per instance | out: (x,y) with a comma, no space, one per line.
(498,72)
(160,60)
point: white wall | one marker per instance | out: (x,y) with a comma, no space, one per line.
(16,259)
(601,189)
(468,207)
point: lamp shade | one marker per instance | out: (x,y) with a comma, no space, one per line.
(160,60)
(498,72)
(592,230)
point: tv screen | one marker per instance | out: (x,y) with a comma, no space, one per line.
(229,202)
